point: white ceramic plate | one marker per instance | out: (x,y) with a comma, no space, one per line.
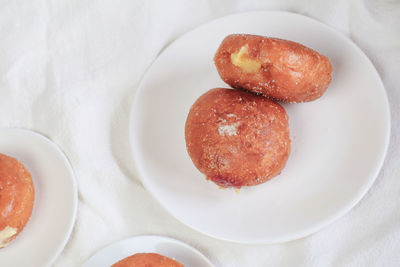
(53,216)
(338,141)
(168,247)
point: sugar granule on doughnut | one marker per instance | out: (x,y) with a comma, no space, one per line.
(147,260)
(237,138)
(280,69)
(16,198)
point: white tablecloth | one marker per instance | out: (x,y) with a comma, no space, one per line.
(69,69)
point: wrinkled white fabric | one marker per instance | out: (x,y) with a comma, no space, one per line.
(69,70)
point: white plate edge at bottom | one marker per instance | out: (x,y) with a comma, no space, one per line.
(149,236)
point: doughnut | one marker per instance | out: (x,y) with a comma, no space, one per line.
(279,69)
(147,260)
(236,138)
(16,198)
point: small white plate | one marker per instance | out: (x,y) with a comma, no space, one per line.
(338,141)
(165,246)
(54,210)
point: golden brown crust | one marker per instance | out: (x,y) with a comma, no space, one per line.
(147,260)
(16,195)
(237,138)
(288,72)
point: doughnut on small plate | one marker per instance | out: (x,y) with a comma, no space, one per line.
(55,204)
(165,246)
(339,141)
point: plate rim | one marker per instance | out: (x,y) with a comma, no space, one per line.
(47,140)
(148,236)
(133,139)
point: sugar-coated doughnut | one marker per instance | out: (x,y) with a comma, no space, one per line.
(16,198)
(237,138)
(283,70)
(147,260)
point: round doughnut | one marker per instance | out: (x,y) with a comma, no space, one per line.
(237,138)
(16,198)
(282,70)
(147,260)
